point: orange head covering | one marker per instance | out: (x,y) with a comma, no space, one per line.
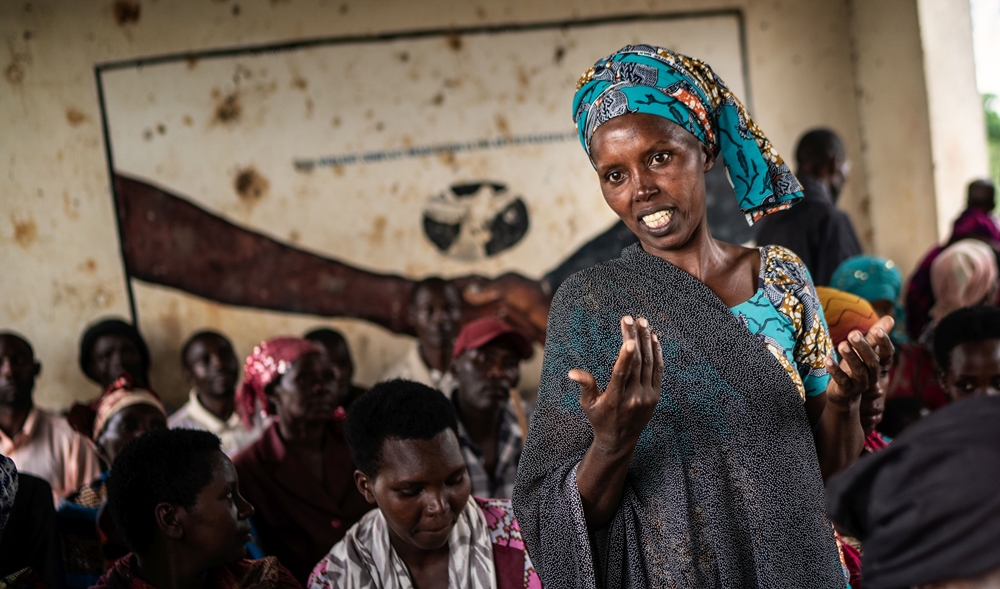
(269,360)
(120,394)
(845,312)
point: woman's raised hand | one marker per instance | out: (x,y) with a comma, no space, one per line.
(862,358)
(620,413)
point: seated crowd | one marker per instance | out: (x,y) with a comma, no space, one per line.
(297,476)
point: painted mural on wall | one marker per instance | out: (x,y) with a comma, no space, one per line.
(323,178)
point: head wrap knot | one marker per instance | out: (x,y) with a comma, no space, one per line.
(269,360)
(654,80)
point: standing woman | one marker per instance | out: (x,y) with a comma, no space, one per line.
(691,454)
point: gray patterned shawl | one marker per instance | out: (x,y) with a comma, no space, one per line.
(724,490)
(364,559)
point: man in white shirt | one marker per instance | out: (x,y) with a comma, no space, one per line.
(38,442)
(435,312)
(211,367)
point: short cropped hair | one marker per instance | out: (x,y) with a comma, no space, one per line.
(197,336)
(395,410)
(110,327)
(19,338)
(966,325)
(819,146)
(325,335)
(162,466)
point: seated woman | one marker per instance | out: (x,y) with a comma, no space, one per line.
(689,407)
(428,531)
(299,474)
(86,533)
(175,496)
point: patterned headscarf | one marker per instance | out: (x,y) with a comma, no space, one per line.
(654,80)
(964,274)
(269,360)
(845,312)
(8,489)
(91,419)
(873,279)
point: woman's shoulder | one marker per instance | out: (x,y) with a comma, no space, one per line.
(782,266)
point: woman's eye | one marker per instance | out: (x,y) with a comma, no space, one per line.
(660,158)
(456,480)
(409,492)
(615,176)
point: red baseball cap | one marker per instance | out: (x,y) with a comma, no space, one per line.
(484,330)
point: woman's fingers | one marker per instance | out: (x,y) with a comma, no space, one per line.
(623,370)
(854,367)
(657,380)
(646,347)
(878,338)
(867,353)
(588,386)
(843,380)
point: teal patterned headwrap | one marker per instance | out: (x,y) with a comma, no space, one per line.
(654,80)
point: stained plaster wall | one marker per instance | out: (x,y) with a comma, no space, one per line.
(61,266)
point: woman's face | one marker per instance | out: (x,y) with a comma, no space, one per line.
(307,391)
(219,521)
(421,487)
(652,174)
(115,355)
(127,425)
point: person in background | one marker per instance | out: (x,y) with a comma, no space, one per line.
(29,546)
(435,312)
(87,535)
(111,348)
(491,425)
(38,442)
(964,274)
(821,234)
(846,312)
(976,222)
(299,475)
(927,508)
(211,368)
(967,351)
(427,530)
(175,496)
(334,346)
(878,281)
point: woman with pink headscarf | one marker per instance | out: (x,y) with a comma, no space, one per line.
(299,475)
(964,275)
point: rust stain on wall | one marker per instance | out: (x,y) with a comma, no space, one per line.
(25,231)
(378,230)
(251,185)
(229,109)
(126,12)
(75,117)
(300,83)
(14,74)
(454,42)
(89,266)
(502,125)
(70,206)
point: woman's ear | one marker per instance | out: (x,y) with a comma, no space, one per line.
(366,486)
(168,520)
(709,157)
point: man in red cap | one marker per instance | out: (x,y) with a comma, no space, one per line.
(486,367)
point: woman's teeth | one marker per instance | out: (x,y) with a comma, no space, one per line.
(657,219)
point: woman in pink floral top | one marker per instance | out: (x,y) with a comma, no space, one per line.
(428,531)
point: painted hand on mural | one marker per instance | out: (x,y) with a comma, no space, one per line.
(167,240)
